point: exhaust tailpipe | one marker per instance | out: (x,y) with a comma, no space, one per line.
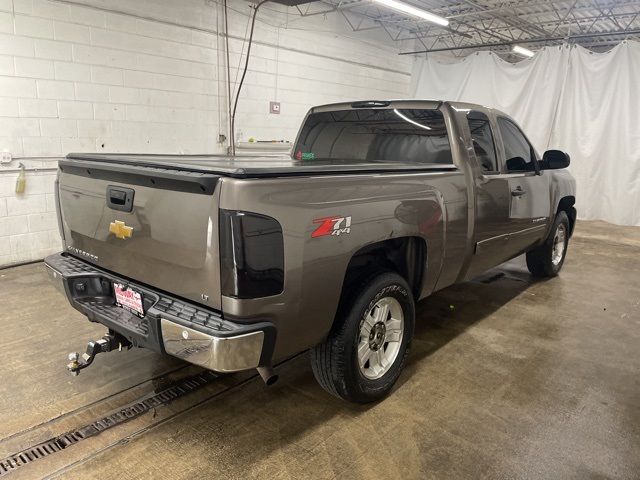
(268,375)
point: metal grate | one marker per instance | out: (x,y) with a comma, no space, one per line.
(131,411)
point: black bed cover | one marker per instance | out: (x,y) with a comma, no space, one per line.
(253,167)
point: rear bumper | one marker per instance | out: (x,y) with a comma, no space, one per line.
(169,325)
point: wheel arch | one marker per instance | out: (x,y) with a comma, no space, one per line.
(406,256)
(566,204)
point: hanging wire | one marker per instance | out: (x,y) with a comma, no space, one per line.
(244,74)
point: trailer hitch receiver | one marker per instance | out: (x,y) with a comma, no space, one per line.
(107,343)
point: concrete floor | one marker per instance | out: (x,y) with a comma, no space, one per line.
(507,378)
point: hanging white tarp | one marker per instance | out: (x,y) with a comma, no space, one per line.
(587,104)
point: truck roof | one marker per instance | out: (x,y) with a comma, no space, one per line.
(410,103)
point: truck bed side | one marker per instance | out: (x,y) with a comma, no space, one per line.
(431,207)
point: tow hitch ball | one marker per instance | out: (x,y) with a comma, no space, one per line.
(109,342)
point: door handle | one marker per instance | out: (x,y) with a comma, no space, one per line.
(518,192)
(120,198)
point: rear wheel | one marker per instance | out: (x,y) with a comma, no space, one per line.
(364,354)
(547,259)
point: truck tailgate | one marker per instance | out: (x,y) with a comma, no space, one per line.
(168,239)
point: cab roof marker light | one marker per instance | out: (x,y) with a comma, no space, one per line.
(416,12)
(522,51)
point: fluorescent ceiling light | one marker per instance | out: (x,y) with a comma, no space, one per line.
(407,119)
(416,12)
(522,51)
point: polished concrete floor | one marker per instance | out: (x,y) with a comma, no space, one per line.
(507,378)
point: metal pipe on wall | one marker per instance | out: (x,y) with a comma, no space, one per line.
(10,167)
(232,140)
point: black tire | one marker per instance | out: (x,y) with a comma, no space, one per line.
(540,260)
(335,361)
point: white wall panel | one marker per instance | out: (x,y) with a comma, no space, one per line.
(148,76)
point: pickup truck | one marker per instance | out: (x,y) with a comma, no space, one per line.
(239,263)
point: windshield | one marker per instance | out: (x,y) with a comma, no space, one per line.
(375,135)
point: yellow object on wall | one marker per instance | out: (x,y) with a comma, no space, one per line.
(21,181)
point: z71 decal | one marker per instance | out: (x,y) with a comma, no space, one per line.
(332,226)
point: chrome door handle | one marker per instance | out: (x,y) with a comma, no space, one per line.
(518,192)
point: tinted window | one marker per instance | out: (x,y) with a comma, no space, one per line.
(519,153)
(482,140)
(375,135)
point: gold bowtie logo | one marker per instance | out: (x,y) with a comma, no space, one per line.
(120,230)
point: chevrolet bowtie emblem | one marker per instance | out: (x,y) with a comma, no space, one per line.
(120,230)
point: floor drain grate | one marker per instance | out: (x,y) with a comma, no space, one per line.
(44,449)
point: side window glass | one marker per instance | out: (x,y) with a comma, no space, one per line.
(519,153)
(482,139)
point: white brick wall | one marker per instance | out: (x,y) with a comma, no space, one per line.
(28,224)
(147,76)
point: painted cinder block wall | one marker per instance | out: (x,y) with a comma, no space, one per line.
(149,77)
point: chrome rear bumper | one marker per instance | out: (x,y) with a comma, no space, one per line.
(169,325)
(222,354)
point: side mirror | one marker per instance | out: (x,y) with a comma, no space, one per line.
(554,160)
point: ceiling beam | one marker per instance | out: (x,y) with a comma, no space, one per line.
(526,41)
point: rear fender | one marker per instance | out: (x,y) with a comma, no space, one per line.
(325,222)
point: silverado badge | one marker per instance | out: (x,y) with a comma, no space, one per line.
(120,230)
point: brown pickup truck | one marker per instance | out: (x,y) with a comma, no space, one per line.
(234,264)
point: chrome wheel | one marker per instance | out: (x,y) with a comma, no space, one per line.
(381,333)
(559,241)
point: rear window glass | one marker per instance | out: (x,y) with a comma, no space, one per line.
(375,135)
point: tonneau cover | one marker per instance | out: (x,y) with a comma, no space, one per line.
(249,167)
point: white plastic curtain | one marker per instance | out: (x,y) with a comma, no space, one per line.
(587,104)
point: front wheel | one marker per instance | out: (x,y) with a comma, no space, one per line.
(366,350)
(547,259)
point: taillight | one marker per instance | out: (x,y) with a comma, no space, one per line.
(251,255)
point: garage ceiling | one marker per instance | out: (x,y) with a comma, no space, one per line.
(495,24)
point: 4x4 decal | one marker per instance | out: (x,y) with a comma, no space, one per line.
(332,226)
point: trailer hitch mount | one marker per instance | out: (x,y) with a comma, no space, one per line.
(109,342)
